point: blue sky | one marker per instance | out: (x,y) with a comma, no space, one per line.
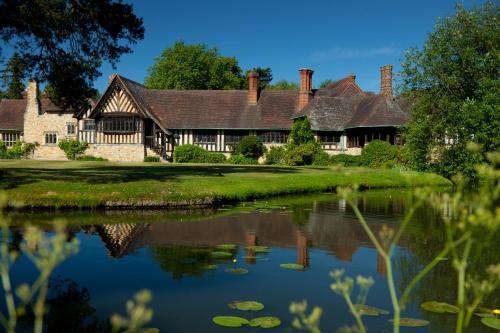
(335,38)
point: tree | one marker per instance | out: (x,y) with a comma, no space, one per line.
(64,42)
(194,67)
(301,132)
(12,77)
(265,76)
(283,85)
(325,83)
(453,82)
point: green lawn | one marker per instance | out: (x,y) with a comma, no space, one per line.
(99,184)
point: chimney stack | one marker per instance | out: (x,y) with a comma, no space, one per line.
(305,93)
(386,81)
(253,88)
(32,96)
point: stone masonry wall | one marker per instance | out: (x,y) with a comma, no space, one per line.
(119,152)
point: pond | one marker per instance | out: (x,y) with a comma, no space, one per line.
(171,253)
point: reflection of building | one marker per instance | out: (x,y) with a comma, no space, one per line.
(119,238)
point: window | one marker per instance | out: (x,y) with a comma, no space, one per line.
(204,137)
(50,138)
(9,138)
(328,138)
(273,137)
(89,125)
(70,128)
(119,125)
(231,137)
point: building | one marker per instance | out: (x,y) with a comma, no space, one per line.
(131,121)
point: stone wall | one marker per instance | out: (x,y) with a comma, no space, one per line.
(119,152)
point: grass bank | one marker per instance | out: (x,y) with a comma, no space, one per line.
(58,184)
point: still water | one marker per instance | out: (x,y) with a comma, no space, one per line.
(170,253)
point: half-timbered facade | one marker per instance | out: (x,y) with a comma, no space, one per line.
(131,121)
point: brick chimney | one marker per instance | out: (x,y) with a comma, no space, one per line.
(31,115)
(386,80)
(305,93)
(352,77)
(253,88)
(32,93)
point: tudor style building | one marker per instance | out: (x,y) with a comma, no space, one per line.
(131,121)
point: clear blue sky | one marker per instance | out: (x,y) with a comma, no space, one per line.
(335,38)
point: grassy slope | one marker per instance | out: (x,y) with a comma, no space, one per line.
(92,184)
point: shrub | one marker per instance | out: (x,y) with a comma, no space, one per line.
(90,158)
(276,155)
(18,150)
(301,132)
(196,154)
(72,148)
(379,154)
(239,159)
(346,160)
(302,154)
(321,158)
(250,146)
(152,159)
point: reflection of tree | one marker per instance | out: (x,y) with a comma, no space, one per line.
(68,310)
(182,261)
(426,237)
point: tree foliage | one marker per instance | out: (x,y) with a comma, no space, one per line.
(265,76)
(283,85)
(325,83)
(73,148)
(251,147)
(64,42)
(195,66)
(454,82)
(12,77)
(301,132)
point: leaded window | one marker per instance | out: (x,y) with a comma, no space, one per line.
(231,137)
(204,137)
(119,125)
(273,137)
(89,125)
(9,139)
(328,138)
(50,138)
(70,128)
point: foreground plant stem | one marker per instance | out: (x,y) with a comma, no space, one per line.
(11,323)
(461,267)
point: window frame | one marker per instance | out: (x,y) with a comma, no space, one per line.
(273,137)
(50,138)
(86,123)
(10,138)
(331,138)
(72,126)
(205,137)
(119,125)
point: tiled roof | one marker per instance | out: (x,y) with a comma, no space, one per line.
(11,114)
(338,106)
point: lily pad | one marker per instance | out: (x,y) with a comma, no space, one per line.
(230,321)
(367,310)
(246,305)
(258,248)
(483,312)
(265,322)
(236,270)
(221,254)
(226,247)
(491,322)
(412,322)
(439,307)
(210,267)
(292,266)
(149,330)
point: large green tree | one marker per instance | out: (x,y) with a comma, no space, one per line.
(64,42)
(12,77)
(453,82)
(195,66)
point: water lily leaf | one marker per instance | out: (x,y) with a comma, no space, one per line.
(149,330)
(258,248)
(265,322)
(246,305)
(483,312)
(237,270)
(439,307)
(412,322)
(491,322)
(229,321)
(292,266)
(210,267)
(367,310)
(226,247)
(221,254)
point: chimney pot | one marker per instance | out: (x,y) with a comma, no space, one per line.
(352,77)
(386,81)
(305,93)
(253,88)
